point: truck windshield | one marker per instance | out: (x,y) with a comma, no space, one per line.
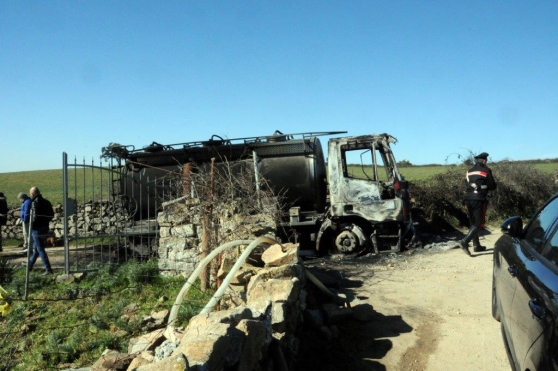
(361,164)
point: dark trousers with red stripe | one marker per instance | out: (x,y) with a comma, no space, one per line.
(476,211)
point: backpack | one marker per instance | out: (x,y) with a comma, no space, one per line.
(3,211)
(47,210)
(44,212)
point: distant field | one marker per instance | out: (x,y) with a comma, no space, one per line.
(50,181)
(550,167)
(414,173)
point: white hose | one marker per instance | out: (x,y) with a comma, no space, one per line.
(219,293)
(323,288)
(252,244)
(192,279)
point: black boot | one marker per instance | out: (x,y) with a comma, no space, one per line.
(477,247)
(464,247)
(464,243)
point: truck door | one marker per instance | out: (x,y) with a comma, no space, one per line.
(362,183)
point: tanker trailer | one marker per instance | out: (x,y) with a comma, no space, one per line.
(293,166)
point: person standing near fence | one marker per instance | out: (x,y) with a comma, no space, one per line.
(3,215)
(39,228)
(24,216)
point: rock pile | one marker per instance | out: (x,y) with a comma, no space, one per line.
(258,328)
(261,329)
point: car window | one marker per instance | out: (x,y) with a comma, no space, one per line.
(539,225)
(551,248)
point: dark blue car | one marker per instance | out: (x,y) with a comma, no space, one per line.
(525,289)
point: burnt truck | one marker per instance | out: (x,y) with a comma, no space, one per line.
(356,201)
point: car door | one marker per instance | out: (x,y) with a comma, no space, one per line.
(549,347)
(506,260)
(534,302)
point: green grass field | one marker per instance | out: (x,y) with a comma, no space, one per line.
(50,181)
(414,173)
(419,173)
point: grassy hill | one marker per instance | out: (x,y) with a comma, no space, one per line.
(49,182)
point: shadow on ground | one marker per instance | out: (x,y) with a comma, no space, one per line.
(348,344)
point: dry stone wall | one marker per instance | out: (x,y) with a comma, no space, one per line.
(92,218)
(260,314)
(180,232)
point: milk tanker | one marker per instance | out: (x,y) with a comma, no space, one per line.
(356,201)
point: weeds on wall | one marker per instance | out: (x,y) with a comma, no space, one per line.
(229,195)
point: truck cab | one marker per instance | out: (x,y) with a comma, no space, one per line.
(368,197)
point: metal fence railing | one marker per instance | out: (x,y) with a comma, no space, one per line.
(108,215)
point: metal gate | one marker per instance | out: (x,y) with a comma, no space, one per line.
(104,220)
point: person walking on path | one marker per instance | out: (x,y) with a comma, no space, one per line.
(24,216)
(39,228)
(3,215)
(479,182)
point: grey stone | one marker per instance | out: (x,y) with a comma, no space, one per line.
(164,350)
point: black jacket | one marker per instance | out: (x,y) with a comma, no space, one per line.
(40,221)
(3,211)
(479,181)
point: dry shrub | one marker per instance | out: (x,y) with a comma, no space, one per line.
(438,200)
(233,204)
(521,190)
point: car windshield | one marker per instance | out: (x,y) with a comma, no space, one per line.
(540,224)
(551,249)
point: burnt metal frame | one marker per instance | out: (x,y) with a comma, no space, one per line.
(227,141)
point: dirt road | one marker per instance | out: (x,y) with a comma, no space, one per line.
(432,311)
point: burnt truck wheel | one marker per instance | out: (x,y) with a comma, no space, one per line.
(350,239)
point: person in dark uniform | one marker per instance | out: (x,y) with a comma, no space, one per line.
(479,182)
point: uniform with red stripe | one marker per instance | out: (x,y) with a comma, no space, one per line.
(479,182)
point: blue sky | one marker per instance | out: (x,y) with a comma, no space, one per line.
(443,77)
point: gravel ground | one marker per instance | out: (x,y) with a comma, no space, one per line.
(431,311)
